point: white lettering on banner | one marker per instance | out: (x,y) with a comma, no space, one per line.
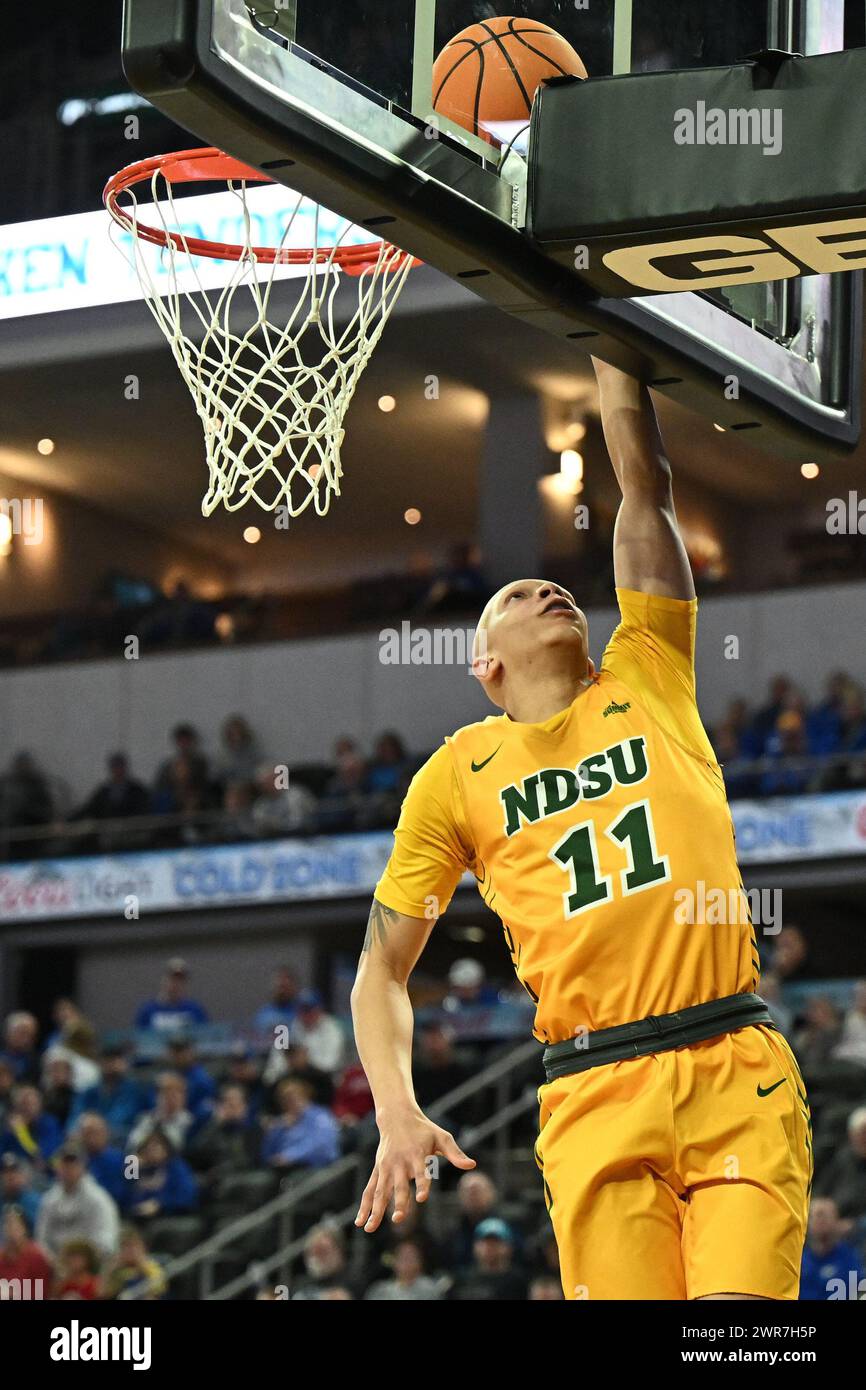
(780,829)
(822,247)
(69,263)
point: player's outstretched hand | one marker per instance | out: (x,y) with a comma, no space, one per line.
(406,1144)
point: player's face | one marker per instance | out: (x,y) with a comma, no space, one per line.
(531,614)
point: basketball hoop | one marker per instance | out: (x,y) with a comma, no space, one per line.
(272,393)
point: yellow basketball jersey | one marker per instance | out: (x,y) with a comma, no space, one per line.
(602,838)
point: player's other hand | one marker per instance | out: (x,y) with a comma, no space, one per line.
(407,1141)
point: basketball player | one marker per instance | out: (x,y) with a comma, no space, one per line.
(675,1144)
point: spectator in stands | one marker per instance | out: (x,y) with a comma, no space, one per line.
(459,586)
(76,1207)
(25,802)
(21,1050)
(410,1282)
(116,1097)
(318,1032)
(764,722)
(118,797)
(786,750)
(477,1199)
(22,1257)
(326,1264)
(57,1089)
(282,1008)
(304,1135)
(280,809)
(228,1143)
(236,822)
(133,1270)
(545,1289)
(790,954)
(243,1069)
(852,1044)
(180,619)
(172,1010)
(437,1069)
(186,746)
(200,1086)
(853,720)
(545,1253)
(65,1014)
(824,723)
(737,721)
(104,1161)
(78,1266)
(492,1275)
(844,1176)
(30,1132)
(816,1040)
(353,1099)
(165,1185)
(295,1061)
(240,757)
(17,1187)
(467,989)
(387,769)
(171,1115)
(189,798)
(851,773)
(77,1046)
(831,1268)
(345,797)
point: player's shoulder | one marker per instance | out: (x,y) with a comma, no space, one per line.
(473,736)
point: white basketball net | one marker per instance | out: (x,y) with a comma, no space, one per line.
(272,396)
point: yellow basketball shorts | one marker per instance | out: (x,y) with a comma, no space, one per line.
(680,1174)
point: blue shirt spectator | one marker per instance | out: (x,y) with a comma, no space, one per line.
(832,1270)
(105,1162)
(165,1184)
(467,988)
(386,770)
(172,1011)
(16,1188)
(29,1132)
(833,1274)
(21,1046)
(200,1086)
(282,1008)
(118,1098)
(304,1135)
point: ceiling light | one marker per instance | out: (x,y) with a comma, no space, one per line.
(810,470)
(252,535)
(387,404)
(45,446)
(412,516)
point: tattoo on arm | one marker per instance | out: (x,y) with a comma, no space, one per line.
(381,917)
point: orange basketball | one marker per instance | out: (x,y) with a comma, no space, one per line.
(491,71)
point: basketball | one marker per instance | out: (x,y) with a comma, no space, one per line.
(492,70)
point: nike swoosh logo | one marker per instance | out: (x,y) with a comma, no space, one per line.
(476,767)
(770,1089)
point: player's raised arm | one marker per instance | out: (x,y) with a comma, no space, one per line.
(649,555)
(382,1014)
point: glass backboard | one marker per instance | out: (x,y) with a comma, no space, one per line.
(336,101)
